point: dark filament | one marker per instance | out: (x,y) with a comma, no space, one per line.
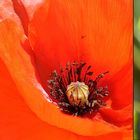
(74,72)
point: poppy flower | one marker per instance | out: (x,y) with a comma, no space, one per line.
(96,32)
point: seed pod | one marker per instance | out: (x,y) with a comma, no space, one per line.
(77,93)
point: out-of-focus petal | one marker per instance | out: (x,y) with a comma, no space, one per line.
(22,13)
(7,11)
(25,9)
(19,10)
(31,6)
(128,135)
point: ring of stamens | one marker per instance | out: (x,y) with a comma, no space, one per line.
(90,100)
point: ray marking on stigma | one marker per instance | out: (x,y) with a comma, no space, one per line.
(74,90)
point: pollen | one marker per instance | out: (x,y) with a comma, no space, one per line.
(75,91)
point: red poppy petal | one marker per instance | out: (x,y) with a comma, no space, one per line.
(22,13)
(118,117)
(18,122)
(128,135)
(25,9)
(7,11)
(97,32)
(21,69)
(121,87)
(31,6)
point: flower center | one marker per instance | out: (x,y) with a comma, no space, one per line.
(74,90)
(77,93)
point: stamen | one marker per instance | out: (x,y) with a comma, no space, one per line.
(75,91)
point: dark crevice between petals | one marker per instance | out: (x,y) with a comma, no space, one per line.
(20,10)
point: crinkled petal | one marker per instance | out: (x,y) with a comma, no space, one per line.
(20,11)
(7,11)
(31,6)
(25,9)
